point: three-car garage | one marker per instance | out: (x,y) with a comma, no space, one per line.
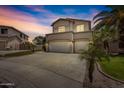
(68,42)
(67,46)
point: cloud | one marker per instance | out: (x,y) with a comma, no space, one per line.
(16,14)
(36,8)
(23,21)
(39,22)
(46,17)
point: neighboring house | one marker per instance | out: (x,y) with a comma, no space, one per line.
(69,35)
(11,38)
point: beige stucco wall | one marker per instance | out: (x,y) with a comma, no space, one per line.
(3,38)
(71,25)
(61,23)
(10,42)
(83,35)
(13,44)
(13,32)
(60,36)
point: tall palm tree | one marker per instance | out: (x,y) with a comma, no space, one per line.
(107,24)
(113,18)
(110,22)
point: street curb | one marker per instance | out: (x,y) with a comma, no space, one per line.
(106,75)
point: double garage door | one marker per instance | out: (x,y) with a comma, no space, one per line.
(67,47)
(2,45)
(60,46)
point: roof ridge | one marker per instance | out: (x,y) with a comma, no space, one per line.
(69,19)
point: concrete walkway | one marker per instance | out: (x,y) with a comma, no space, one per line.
(44,70)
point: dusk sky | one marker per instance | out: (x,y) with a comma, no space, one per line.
(36,20)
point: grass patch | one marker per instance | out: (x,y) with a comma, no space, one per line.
(115,67)
(16,54)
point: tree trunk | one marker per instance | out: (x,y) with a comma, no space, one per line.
(91,69)
(89,75)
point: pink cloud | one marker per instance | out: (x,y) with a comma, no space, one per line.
(16,15)
(24,22)
(31,25)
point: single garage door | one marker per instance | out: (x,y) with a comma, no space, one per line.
(81,45)
(2,45)
(60,46)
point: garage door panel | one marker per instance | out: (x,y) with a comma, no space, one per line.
(81,45)
(2,45)
(60,46)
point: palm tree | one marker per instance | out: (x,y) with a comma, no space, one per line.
(113,18)
(94,53)
(107,24)
(110,22)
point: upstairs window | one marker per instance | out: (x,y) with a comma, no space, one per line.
(61,29)
(80,28)
(4,31)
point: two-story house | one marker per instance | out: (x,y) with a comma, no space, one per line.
(69,35)
(11,38)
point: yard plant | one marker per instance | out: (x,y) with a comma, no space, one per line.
(94,53)
(107,26)
(16,54)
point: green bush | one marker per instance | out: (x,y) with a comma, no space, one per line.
(18,54)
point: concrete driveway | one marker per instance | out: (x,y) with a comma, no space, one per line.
(44,70)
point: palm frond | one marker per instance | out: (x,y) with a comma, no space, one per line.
(101,14)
